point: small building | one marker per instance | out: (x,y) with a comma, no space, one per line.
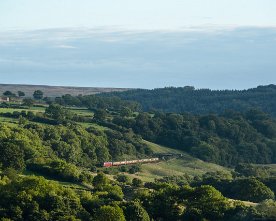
(4,99)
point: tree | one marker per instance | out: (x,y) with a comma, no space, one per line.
(11,155)
(20,93)
(30,115)
(48,100)
(134,169)
(22,120)
(137,182)
(28,102)
(100,181)
(135,212)
(204,202)
(162,203)
(251,170)
(267,208)
(125,112)
(100,114)
(57,112)
(10,173)
(114,192)
(38,95)
(250,189)
(9,94)
(110,213)
(206,152)
(123,178)
(68,99)
(34,198)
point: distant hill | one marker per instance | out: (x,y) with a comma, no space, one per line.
(203,101)
(55,91)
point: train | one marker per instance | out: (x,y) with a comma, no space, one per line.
(127,162)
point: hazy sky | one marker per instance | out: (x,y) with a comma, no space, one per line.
(135,14)
(138,43)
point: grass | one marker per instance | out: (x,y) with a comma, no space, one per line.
(9,121)
(33,109)
(81,111)
(13,121)
(177,166)
(246,203)
(96,126)
(71,185)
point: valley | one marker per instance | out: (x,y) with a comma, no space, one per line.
(62,143)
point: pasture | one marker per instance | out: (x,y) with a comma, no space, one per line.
(176,166)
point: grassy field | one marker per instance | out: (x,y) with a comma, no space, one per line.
(79,111)
(33,109)
(86,125)
(82,112)
(183,165)
(13,121)
(9,121)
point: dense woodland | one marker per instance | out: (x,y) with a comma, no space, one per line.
(35,198)
(202,101)
(228,139)
(51,161)
(95,102)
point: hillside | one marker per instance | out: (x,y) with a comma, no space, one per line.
(202,101)
(55,91)
(184,165)
(55,154)
(227,139)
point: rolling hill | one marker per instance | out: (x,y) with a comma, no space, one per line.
(202,101)
(55,91)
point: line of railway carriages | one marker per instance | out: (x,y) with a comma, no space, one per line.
(127,162)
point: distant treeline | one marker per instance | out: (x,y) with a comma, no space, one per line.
(202,101)
(97,102)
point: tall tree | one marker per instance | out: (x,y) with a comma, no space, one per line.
(38,95)
(110,213)
(9,94)
(28,102)
(11,155)
(21,94)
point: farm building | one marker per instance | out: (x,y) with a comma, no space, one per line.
(4,99)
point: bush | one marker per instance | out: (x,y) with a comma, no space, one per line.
(250,189)
(137,182)
(135,212)
(123,178)
(114,192)
(110,213)
(100,181)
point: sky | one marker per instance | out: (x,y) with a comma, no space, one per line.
(135,14)
(138,43)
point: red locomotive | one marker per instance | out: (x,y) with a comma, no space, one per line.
(119,163)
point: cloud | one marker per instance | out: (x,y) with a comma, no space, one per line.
(109,34)
(66,46)
(193,54)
